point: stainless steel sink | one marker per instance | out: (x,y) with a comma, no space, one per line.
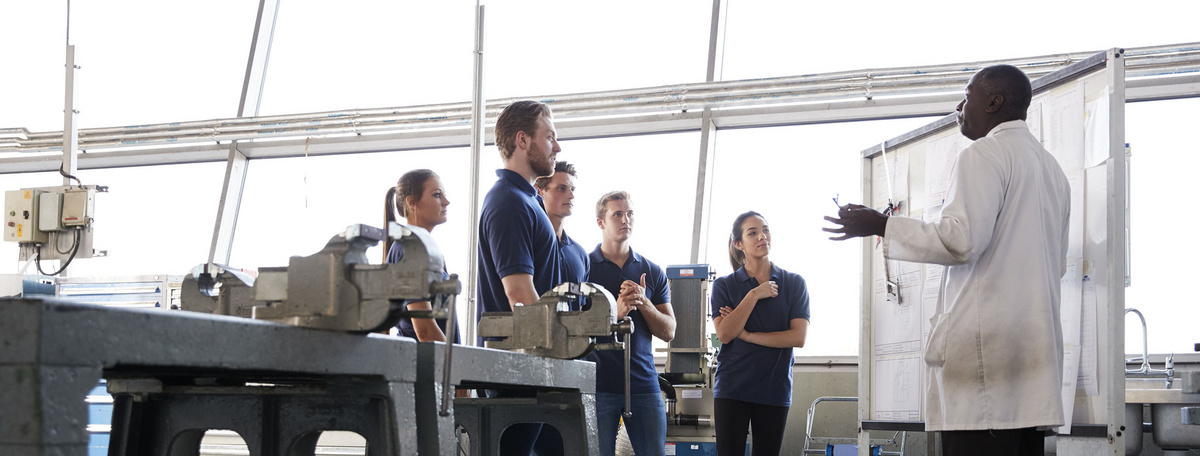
(1169,431)
(1165,410)
(1167,398)
(1151,391)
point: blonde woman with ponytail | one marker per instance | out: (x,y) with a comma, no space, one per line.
(761,313)
(419,198)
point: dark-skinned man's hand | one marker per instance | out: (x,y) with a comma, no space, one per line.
(857,221)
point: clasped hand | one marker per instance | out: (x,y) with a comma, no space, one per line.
(769,289)
(632,296)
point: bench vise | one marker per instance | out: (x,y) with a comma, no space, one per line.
(335,288)
(541,329)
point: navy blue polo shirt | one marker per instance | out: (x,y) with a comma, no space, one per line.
(395,254)
(575,262)
(750,372)
(515,237)
(610,364)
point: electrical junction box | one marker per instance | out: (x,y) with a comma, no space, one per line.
(21,217)
(77,207)
(50,211)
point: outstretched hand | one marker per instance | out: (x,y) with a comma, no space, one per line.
(856,221)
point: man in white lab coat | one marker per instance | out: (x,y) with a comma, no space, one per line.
(995,348)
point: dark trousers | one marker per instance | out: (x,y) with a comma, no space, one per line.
(996,442)
(734,418)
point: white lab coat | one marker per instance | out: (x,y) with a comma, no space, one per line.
(995,348)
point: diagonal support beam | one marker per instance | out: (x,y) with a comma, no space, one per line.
(708,137)
(237,165)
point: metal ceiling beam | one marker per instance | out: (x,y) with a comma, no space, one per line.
(1184,86)
(827,87)
(1165,72)
(1165,88)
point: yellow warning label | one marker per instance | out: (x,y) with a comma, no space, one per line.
(19,226)
(28,194)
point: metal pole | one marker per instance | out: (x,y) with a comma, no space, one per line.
(478,120)
(866,324)
(1116,255)
(451,326)
(70,150)
(628,349)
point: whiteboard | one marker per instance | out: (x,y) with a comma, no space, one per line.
(1078,115)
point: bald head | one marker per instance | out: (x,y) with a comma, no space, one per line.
(1011,83)
(996,94)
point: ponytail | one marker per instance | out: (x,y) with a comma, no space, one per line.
(389,215)
(737,258)
(395,201)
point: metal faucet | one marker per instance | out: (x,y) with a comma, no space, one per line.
(1145,370)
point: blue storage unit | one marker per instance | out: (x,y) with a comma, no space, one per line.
(100,409)
(100,414)
(98,444)
(692,448)
(848,450)
(688,271)
(144,291)
(695,449)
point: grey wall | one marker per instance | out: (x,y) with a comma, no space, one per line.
(813,378)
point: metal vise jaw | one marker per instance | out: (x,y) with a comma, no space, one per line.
(541,330)
(218,289)
(338,289)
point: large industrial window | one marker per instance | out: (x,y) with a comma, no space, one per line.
(153,219)
(146,62)
(658,171)
(141,62)
(791,175)
(1164,160)
(547,47)
(333,56)
(767,38)
(292,206)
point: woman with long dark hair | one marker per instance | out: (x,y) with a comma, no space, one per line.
(761,314)
(418,197)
